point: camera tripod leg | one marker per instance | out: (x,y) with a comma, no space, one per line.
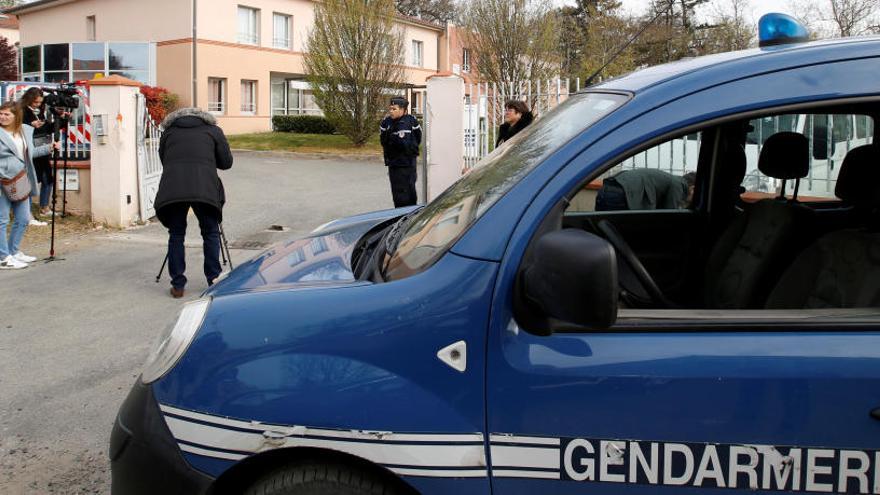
(54,177)
(225,246)
(162,269)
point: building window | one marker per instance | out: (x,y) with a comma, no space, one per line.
(465,60)
(282,28)
(31,60)
(248,26)
(131,60)
(216,95)
(249,97)
(88,60)
(69,62)
(91,31)
(417,51)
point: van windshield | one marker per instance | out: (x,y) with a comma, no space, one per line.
(438,225)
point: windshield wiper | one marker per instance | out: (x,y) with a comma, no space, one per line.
(392,238)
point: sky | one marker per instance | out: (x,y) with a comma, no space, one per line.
(758,7)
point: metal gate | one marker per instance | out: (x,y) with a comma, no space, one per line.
(418,98)
(149,164)
(484,109)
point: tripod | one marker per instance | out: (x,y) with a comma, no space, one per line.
(224,254)
(63,128)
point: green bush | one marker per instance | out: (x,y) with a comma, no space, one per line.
(303,124)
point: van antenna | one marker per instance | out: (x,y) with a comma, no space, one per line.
(626,45)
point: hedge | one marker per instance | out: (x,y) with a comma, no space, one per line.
(303,124)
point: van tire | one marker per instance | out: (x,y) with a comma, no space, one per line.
(320,479)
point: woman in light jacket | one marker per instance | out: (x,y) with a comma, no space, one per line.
(17,153)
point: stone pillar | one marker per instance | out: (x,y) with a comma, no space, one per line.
(445,112)
(114,172)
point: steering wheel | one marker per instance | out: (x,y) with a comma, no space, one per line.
(620,245)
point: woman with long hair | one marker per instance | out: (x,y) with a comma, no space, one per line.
(17,152)
(36,115)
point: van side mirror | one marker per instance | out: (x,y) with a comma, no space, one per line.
(571,277)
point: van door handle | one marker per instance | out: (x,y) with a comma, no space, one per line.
(454,356)
(875,413)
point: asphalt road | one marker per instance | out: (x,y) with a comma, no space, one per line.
(74,333)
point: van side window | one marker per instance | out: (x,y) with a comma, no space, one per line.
(830,138)
(659,178)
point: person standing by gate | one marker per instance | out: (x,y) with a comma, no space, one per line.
(401,135)
(37,116)
(192,149)
(18,179)
(516,117)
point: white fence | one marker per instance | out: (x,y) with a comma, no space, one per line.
(830,136)
(148,162)
(484,109)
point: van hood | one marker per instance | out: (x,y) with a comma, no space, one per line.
(323,258)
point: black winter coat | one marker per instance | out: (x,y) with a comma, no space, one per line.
(400,140)
(192,148)
(506,131)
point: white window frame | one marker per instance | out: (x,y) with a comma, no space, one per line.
(249,38)
(418,53)
(218,107)
(465,60)
(249,108)
(286,42)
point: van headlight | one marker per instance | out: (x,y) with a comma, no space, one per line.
(174,340)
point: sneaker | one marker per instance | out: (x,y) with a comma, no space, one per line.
(23,258)
(37,223)
(10,263)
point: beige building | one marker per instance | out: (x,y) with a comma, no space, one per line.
(242,60)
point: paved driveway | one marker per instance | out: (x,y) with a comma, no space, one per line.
(74,333)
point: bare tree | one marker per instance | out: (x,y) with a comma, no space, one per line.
(608,29)
(854,17)
(354,58)
(837,18)
(729,28)
(512,40)
(439,11)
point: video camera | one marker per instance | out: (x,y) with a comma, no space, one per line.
(65,96)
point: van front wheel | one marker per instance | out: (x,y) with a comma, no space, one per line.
(320,479)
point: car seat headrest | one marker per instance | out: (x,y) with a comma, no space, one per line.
(785,155)
(858,182)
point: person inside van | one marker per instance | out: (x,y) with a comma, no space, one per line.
(646,189)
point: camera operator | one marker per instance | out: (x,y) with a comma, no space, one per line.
(192,149)
(37,116)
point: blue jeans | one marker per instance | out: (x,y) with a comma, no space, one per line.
(46,180)
(22,211)
(175,220)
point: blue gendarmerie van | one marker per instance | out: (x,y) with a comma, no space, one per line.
(668,284)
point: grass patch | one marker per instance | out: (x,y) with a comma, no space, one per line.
(305,143)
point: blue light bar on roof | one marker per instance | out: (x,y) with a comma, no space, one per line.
(780,29)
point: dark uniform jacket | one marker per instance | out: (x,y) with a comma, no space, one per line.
(651,189)
(192,148)
(507,131)
(400,140)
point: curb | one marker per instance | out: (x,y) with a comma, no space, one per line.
(362,157)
